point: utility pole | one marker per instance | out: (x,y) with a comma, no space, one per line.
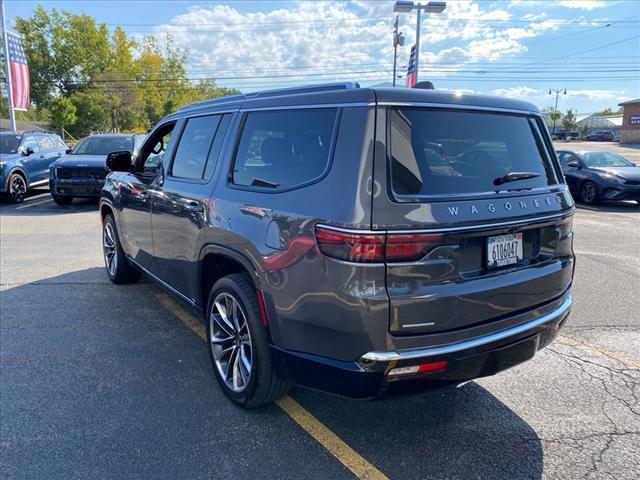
(557,91)
(398,40)
(12,114)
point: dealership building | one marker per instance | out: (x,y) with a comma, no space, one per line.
(630,130)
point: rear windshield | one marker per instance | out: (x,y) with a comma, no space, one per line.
(443,152)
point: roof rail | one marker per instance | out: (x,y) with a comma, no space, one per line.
(323,87)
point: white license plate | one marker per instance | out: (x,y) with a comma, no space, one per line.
(504,250)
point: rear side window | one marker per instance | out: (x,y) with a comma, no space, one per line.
(193,150)
(45,143)
(442,152)
(284,149)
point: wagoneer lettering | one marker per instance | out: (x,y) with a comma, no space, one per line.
(259,211)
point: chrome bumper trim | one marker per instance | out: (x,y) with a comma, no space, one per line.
(561,311)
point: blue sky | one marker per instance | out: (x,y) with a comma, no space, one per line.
(515,48)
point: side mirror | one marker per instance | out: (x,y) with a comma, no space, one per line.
(574,164)
(68,151)
(27,151)
(119,161)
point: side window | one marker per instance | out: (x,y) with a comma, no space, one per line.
(566,157)
(46,143)
(58,142)
(192,151)
(30,142)
(284,149)
(154,149)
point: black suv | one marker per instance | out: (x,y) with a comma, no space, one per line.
(354,240)
(82,170)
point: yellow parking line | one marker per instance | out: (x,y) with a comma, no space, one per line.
(590,348)
(33,204)
(330,441)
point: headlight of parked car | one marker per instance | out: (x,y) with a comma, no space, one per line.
(613,178)
(2,165)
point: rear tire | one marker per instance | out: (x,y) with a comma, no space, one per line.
(239,345)
(16,188)
(589,193)
(62,200)
(119,269)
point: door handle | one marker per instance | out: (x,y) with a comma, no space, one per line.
(193,206)
(143,195)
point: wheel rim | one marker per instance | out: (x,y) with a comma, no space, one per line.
(588,192)
(17,188)
(110,250)
(230,342)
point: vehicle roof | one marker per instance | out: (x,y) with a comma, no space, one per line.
(115,135)
(350,93)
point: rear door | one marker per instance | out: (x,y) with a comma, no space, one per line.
(472,203)
(32,163)
(180,201)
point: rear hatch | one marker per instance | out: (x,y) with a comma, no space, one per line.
(477,217)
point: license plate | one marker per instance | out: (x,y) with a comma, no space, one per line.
(504,250)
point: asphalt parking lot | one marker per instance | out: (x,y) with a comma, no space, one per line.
(106,381)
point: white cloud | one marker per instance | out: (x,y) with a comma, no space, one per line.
(583,4)
(304,40)
(595,94)
(523,92)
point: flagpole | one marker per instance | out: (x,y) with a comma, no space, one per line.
(12,114)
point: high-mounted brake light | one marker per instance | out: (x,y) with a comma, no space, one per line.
(373,247)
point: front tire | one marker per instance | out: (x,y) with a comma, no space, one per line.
(119,270)
(239,346)
(16,188)
(589,193)
(62,200)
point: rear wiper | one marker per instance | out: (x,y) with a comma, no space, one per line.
(513,176)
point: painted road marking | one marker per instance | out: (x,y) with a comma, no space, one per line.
(590,348)
(34,204)
(330,441)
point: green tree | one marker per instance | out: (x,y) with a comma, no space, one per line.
(609,111)
(569,121)
(63,114)
(555,116)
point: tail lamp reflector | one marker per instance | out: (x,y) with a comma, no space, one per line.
(418,369)
(373,247)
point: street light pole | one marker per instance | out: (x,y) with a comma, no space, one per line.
(406,6)
(557,91)
(398,40)
(12,113)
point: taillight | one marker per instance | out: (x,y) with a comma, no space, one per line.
(374,247)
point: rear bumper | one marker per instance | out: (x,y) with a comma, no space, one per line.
(469,359)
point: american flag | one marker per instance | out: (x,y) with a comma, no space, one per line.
(19,72)
(410,81)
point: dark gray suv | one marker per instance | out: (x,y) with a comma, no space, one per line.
(358,241)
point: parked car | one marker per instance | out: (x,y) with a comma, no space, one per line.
(24,161)
(358,241)
(593,176)
(82,170)
(603,136)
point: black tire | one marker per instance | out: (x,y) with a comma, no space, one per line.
(62,200)
(263,386)
(16,188)
(119,269)
(589,193)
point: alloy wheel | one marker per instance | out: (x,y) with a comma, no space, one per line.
(17,188)
(230,342)
(588,192)
(109,247)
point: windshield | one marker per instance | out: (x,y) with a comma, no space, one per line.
(9,143)
(443,152)
(605,159)
(103,145)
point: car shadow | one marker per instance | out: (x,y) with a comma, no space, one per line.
(614,207)
(39,202)
(80,354)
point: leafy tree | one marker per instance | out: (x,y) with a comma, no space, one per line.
(609,111)
(555,116)
(569,121)
(63,113)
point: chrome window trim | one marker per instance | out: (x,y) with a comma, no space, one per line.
(417,353)
(458,106)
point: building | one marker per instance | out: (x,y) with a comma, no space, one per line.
(630,131)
